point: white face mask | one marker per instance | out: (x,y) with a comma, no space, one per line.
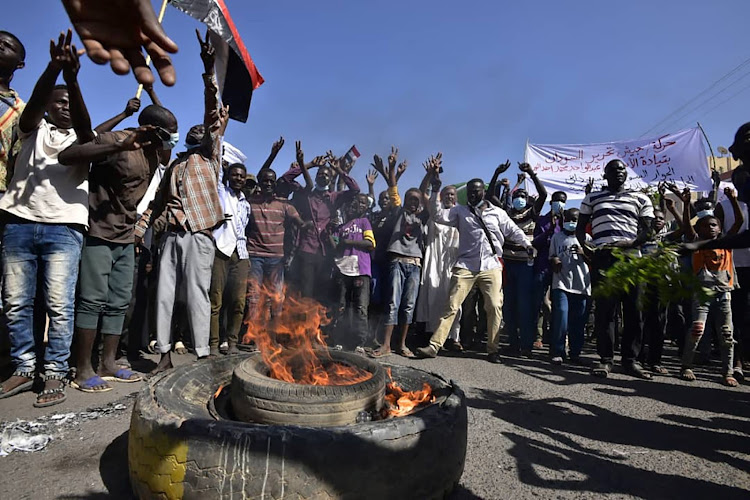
(172,142)
(705,213)
(570,225)
(519,203)
(558,207)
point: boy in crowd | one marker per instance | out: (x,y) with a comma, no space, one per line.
(571,290)
(229,274)
(354,242)
(122,163)
(12,57)
(715,270)
(45,211)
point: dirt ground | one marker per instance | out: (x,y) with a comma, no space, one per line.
(534,431)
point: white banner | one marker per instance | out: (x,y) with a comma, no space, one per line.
(678,158)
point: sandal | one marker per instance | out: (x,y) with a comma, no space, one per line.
(180,348)
(26,386)
(123,375)
(688,375)
(658,369)
(49,392)
(91,383)
(730,381)
(406,352)
(379,353)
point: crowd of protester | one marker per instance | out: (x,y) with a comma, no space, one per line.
(115,248)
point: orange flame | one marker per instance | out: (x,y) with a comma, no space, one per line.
(399,402)
(218,391)
(292,344)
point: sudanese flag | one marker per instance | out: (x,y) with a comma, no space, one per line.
(235,70)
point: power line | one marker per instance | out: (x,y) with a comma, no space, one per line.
(686,104)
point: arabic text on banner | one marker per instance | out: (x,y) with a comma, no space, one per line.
(678,158)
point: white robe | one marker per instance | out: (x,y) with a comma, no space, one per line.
(441,252)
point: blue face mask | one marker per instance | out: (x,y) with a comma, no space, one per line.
(172,142)
(705,213)
(570,225)
(519,203)
(558,207)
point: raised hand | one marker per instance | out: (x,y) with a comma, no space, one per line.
(208,53)
(525,167)
(669,203)
(133,105)
(64,56)
(372,175)
(505,182)
(730,193)
(521,177)
(685,195)
(138,138)
(393,157)
(715,177)
(300,155)
(377,164)
(115,31)
(319,161)
(589,186)
(503,167)
(401,168)
(276,146)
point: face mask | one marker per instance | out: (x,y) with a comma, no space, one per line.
(570,225)
(558,207)
(477,204)
(318,187)
(190,147)
(172,142)
(519,203)
(705,213)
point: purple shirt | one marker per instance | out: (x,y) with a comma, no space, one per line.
(542,239)
(358,230)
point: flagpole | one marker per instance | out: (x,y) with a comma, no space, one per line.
(148,57)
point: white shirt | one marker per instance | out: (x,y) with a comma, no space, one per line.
(575,276)
(153,186)
(474,250)
(43,190)
(740,256)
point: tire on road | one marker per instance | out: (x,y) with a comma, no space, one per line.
(258,398)
(176,449)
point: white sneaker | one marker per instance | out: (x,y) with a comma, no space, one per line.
(224,347)
(557,360)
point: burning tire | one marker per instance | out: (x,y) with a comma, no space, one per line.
(258,398)
(177,449)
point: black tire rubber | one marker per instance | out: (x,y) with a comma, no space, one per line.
(258,398)
(177,450)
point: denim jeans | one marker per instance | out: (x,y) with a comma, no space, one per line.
(520,321)
(52,251)
(715,312)
(354,300)
(268,273)
(404,278)
(569,315)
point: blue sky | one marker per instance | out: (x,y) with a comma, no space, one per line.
(474,80)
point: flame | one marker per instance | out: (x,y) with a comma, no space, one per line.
(218,391)
(399,402)
(291,343)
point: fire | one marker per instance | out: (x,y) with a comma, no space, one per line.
(291,342)
(399,402)
(218,391)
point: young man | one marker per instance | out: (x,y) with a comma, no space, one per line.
(12,57)
(45,211)
(122,164)
(318,204)
(229,275)
(270,218)
(482,231)
(620,218)
(188,205)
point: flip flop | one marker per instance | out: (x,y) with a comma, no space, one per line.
(26,386)
(47,392)
(89,384)
(406,352)
(123,375)
(379,354)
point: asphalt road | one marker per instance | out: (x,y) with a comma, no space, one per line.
(535,431)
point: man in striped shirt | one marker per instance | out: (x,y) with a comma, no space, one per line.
(269,217)
(620,218)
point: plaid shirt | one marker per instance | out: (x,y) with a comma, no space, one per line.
(189,193)
(11,107)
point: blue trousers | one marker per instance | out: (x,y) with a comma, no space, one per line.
(569,315)
(518,311)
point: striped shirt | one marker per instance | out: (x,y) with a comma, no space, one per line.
(11,107)
(265,232)
(615,216)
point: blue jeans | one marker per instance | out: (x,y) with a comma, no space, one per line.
(53,251)
(569,315)
(266,272)
(520,322)
(404,280)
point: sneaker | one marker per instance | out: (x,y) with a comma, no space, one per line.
(557,360)
(739,375)
(494,358)
(224,347)
(601,369)
(360,350)
(634,369)
(427,351)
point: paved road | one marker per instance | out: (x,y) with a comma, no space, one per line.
(535,431)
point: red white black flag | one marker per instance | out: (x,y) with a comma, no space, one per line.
(235,70)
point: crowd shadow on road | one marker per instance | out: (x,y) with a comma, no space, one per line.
(558,423)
